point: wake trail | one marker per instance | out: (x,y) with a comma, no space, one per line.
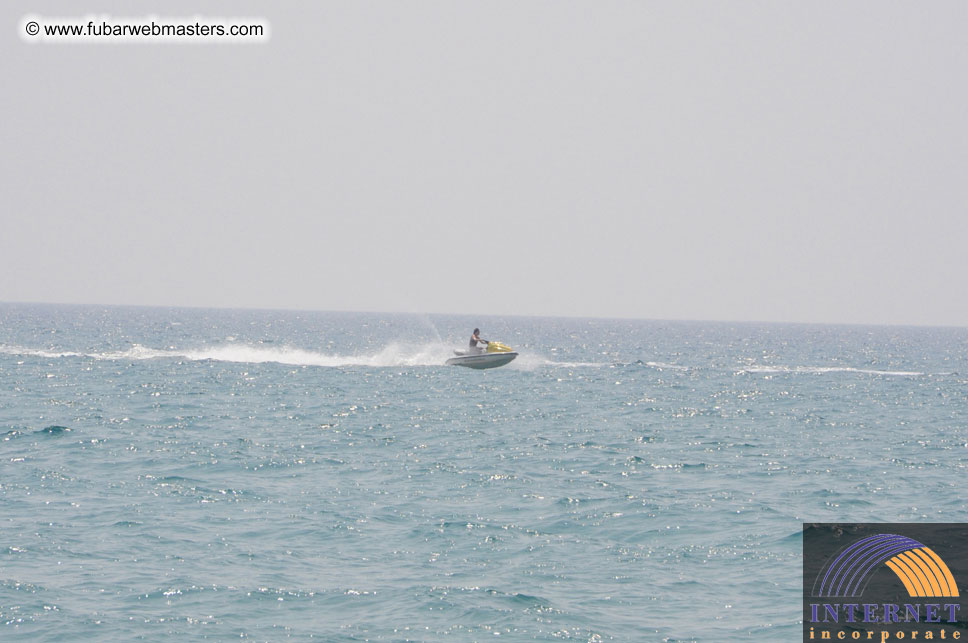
(392,355)
(823,370)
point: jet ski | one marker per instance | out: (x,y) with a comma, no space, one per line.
(495,355)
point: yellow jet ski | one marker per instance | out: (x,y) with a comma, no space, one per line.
(496,354)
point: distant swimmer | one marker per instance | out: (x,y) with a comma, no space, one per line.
(476,339)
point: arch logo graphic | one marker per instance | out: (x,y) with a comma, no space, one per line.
(922,571)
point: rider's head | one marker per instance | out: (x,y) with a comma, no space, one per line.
(477,330)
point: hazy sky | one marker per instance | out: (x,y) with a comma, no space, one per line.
(772,161)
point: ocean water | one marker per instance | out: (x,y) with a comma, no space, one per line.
(266,475)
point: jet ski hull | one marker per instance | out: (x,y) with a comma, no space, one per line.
(482,360)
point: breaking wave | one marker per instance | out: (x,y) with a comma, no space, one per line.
(665,366)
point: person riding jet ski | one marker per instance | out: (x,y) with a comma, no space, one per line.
(476,339)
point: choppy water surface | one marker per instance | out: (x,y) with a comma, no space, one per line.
(227,474)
